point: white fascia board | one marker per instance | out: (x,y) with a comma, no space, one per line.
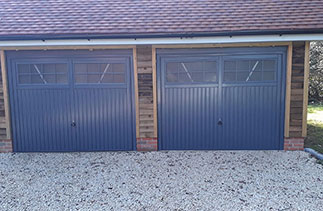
(164,41)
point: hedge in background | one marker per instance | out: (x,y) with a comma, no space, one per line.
(316,72)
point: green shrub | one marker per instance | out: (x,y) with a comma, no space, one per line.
(316,72)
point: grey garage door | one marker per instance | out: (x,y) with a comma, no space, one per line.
(71,100)
(221,99)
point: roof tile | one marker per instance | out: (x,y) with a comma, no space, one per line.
(146,17)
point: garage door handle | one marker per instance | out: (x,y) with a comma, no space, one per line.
(220,122)
(73,124)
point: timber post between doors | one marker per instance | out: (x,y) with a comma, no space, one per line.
(147,107)
(5,125)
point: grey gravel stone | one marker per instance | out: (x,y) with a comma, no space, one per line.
(177,180)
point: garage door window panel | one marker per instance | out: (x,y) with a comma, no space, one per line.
(42,73)
(191,72)
(250,70)
(99,73)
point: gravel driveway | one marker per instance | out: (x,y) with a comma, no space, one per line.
(192,180)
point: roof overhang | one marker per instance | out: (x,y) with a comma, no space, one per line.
(163,40)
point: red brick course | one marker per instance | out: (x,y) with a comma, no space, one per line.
(151,144)
(147,144)
(5,145)
(292,144)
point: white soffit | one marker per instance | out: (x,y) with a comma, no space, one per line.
(164,41)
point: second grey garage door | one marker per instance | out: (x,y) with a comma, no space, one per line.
(71,100)
(221,98)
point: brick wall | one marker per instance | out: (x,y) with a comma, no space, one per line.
(294,144)
(5,145)
(147,144)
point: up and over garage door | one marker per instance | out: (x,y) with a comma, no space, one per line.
(71,100)
(221,98)
(230,98)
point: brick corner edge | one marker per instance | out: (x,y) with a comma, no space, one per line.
(147,144)
(294,144)
(5,145)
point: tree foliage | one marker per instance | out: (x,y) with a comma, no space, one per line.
(316,72)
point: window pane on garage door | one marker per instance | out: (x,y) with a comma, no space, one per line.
(191,72)
(250,70)
(97,73)
(42,73)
